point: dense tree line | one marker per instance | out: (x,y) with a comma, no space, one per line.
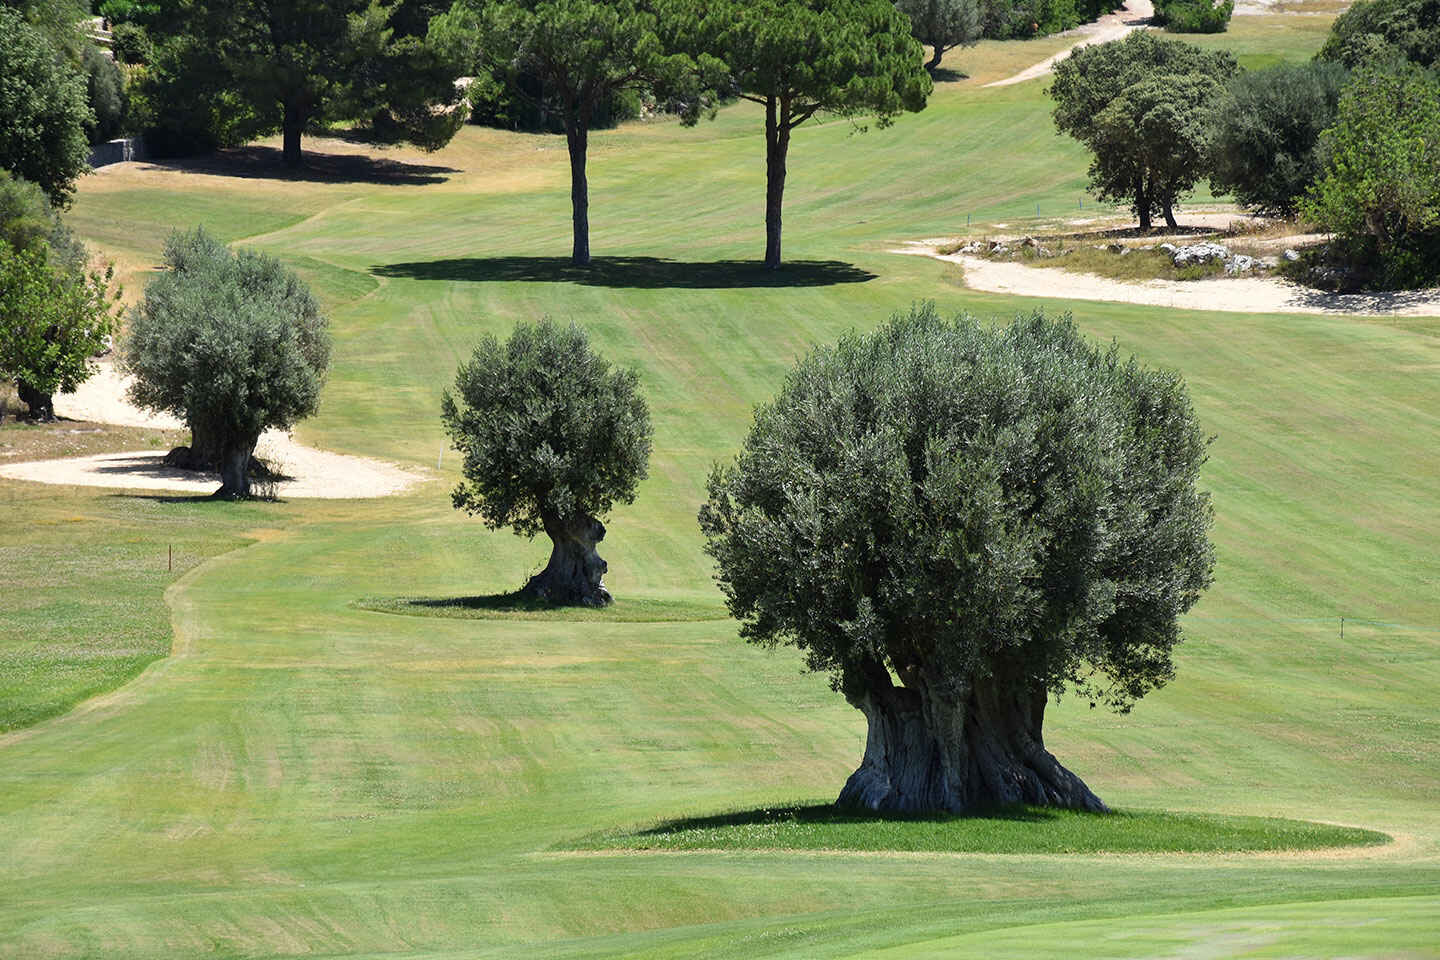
(1347,140)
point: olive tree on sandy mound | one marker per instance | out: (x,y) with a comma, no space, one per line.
(552,439)
(957,522)
(232,343)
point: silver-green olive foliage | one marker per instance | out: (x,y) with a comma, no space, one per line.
(966,512)
(233,343)
(548,430)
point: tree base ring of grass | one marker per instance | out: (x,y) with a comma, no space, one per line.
(1019,830)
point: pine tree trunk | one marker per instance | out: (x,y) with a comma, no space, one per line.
(938,54)
(41,404)
(574,575)
(235,469)
(777,146)
(293,126)
(577,138)
(958,751)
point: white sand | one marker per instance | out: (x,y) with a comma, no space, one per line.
(1133,16)
(1232,294)
(101,399)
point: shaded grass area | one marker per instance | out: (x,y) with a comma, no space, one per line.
(521,606)
(1031,830)
(85,613)
(76,438)
(633,272)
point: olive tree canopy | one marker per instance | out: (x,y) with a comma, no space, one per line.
(957,522)
(552,437)
(232,343)
(942,25)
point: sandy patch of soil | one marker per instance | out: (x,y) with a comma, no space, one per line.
(308,472)
(1233,294)
(1133,16)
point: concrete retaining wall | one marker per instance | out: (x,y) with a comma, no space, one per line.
(117,151)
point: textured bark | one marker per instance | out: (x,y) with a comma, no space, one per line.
(577,138)
(574,575)
(235,469)
(41,404)
(203,454)
(1142,204)
(777,146)
(962,750)
(1170,214)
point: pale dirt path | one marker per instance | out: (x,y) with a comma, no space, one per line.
(1231,294)
(101,399)
(1133,16)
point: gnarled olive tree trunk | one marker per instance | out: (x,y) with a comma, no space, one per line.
(40,403)
(235,458)
(966,748)
(574,575)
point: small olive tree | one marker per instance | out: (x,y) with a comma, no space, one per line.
(233,343)
(957,522)
(552,438)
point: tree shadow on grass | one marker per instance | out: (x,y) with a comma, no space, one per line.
(519,605)
(946,75)
(648,273)
(265,163)
(516,601)
(829,813)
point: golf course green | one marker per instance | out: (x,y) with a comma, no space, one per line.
(269,748)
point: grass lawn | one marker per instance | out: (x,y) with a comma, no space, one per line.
(306,777)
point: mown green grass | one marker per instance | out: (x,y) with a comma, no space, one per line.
(301,777)
(1038,830)
(83,584)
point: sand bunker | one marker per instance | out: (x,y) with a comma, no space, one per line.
(1233,294)
(311,472)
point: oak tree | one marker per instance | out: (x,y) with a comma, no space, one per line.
(1142,106)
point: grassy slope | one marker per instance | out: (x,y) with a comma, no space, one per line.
(303,777)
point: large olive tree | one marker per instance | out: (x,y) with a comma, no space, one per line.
(957,522)
(233,343)
(552,438)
